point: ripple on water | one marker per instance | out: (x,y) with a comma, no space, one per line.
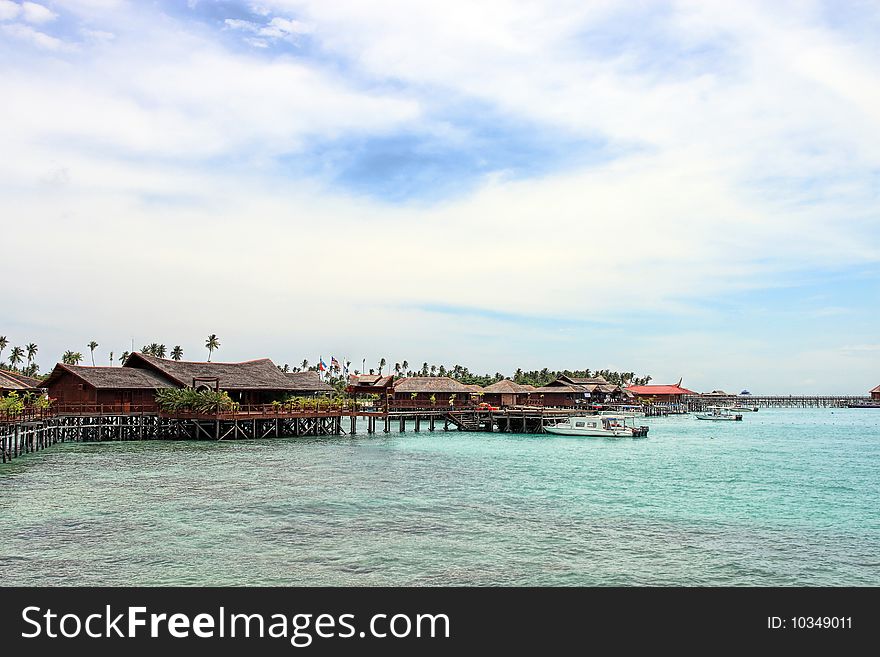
(788,497)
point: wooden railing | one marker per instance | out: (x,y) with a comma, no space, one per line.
(424,405)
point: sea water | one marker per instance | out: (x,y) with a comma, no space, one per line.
(785,497)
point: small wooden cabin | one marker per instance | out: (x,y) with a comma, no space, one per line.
(567,391)
(875,393)
(417,392)
(506,393)
(119,387)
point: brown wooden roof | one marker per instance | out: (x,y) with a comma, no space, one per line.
(260,374)
(432,384)
(308,381)
(12,378)
(505,387)
(115,378)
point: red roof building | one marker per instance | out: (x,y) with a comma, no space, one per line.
(661,393)
(875,393)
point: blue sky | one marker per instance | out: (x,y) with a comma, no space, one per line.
(686,189)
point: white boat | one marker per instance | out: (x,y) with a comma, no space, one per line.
(719,413)
(608,426)
(746,409)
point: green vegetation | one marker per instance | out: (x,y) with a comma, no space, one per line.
(11,404)
(194,401)
(71,357)
(92,346)
(311,403)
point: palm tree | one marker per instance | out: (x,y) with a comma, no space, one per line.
(71,357)
(177,353)
(92,346)
(32,350)
(124,357)
(160,351)
(433,370)
(286,368)
(425,369)
(3,344)
(211,344)
(404,366)
(111,359)
(381,365)
(305,364)
(16,356)
(397,369)
(154,348)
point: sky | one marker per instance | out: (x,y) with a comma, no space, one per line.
(683,189)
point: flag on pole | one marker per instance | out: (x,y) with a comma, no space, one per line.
(322,366)
(334,364)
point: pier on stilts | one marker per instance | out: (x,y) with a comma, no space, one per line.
(25,435)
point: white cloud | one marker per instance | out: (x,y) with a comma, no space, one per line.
(9,10)
(36,13)
(168,146)
(35,37)
(282,27)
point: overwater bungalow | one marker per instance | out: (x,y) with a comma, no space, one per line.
(875,393)
(664,394)
(135,384)
(569,391)
(428,391)
(506,393)
(121,387)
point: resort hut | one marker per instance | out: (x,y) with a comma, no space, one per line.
(567,391)
(308,383)
(121,388)
(250,382)
(430,391)
(664,394)
(875,393)
(505,393)
(372,384)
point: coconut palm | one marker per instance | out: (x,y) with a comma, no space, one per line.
(111,359)
(305,364)
(211,344)
(397,369)
(92,346)
(160,351)
(32,350)
(433,370)
(3,344)
(177,352)
(124,357)
(404,366)
(71,357)
(16,356)
(381,365)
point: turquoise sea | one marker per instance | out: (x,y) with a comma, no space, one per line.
(786,497)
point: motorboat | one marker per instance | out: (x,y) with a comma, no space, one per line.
(608,426)
(719,413)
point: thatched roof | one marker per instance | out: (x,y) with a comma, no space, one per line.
(371,380)
(594,380)
(308,381)
(27,382)
(15,381)
(116,378)
(475,388)
(260,374)
(563,390)
(505,387)
(432,384)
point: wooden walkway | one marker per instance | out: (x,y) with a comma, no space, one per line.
(33,435)
(700,402)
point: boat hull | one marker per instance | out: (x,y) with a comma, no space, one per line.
(720,418)
(639,432)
